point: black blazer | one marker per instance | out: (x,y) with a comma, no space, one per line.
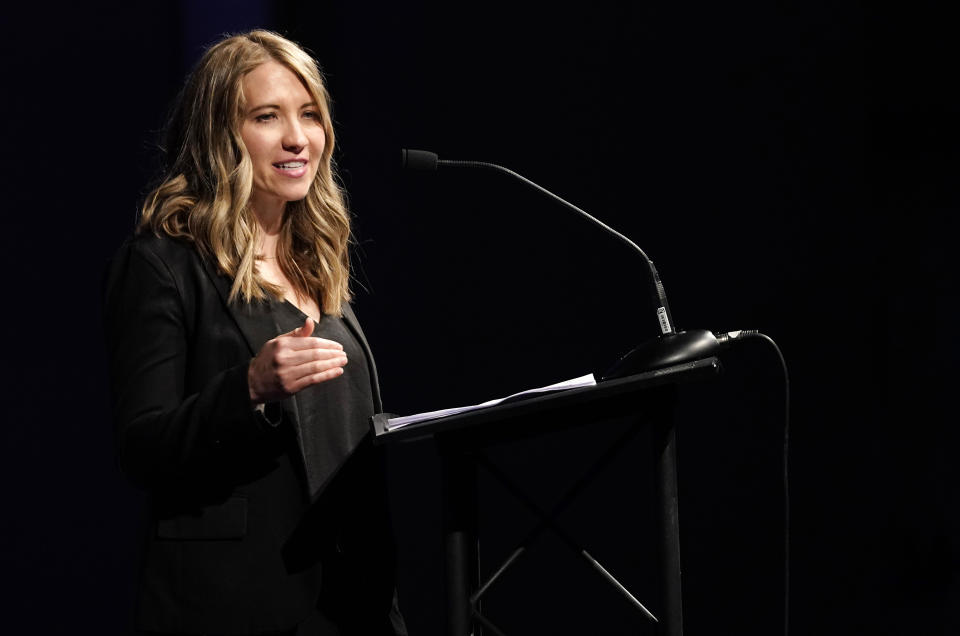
(233,545)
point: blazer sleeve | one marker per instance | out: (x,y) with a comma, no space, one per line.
(165,435)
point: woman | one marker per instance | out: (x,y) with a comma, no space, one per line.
(242,381)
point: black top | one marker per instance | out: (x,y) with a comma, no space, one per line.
(333,415)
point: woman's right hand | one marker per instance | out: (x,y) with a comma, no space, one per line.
(291,362)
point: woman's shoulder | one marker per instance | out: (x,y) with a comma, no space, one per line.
(147,264)
(160,245)
(165,256)
(170,251)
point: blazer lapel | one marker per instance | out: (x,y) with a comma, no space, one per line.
(351,320)
(256,331)
(255,328)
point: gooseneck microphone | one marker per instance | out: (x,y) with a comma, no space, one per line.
(672,347)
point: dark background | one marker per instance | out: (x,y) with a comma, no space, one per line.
(789,166)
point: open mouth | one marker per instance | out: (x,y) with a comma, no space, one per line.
(294,169)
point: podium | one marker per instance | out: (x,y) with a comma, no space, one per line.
(648,398)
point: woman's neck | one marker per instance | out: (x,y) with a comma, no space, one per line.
(270,220)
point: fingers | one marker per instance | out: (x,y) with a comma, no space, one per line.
(308,343)
(293,357)
(293,361)
(303,331)
(306,330)
(315,373)
(274,380)
(300,338)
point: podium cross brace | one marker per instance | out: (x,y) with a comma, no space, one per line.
(547,520)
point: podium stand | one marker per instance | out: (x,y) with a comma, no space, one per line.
(649,397)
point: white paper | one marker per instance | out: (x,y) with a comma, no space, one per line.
(574,383)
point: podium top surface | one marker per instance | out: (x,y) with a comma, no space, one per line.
(608,399)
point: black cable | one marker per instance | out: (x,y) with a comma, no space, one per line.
(739,335)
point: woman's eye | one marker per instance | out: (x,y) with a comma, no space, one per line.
(312,115)
(265,117)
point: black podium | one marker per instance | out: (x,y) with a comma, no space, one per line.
(648,397)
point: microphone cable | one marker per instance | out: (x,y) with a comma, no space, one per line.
(726,339)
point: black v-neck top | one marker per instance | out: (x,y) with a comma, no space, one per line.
(333,415)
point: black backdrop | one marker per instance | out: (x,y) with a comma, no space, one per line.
(789,168)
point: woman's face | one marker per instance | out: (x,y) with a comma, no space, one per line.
(282,129)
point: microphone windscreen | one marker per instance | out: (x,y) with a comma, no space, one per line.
(419,159)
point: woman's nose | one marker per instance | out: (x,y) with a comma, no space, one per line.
(294,139)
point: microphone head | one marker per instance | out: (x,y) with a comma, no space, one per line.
(419,159)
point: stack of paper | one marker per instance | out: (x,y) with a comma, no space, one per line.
(399,422)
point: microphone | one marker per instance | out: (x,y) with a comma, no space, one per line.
(419,160)
(671,348)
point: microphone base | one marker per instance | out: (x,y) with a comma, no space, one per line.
(665,351)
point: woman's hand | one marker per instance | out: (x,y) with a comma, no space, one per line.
(291,362)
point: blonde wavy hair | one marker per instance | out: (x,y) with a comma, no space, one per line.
(204,196)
